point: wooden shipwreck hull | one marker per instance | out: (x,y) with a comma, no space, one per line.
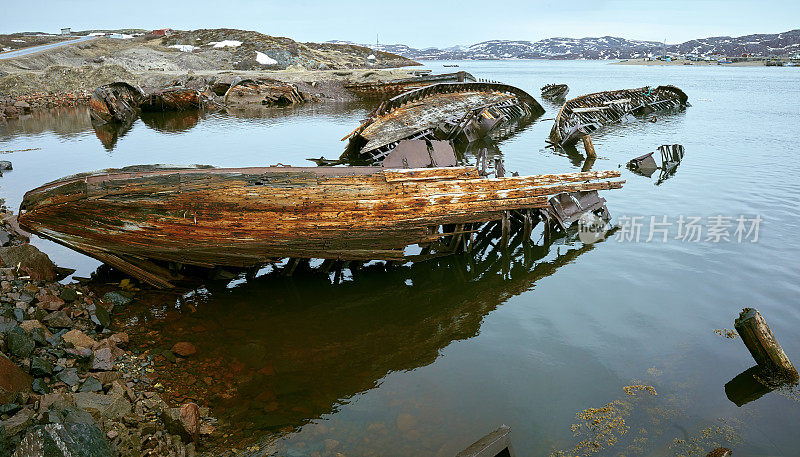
(457,111)
(382,90)
(555,91)
(587,113)
(139,219)
(262,92)
(115,103)
(172,99)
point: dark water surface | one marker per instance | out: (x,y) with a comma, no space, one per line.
(424,359)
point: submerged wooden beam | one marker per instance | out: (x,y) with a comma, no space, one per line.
(763,345)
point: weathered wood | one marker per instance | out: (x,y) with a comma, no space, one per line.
(763,345)
(587,113)
(588,146)
(247,217)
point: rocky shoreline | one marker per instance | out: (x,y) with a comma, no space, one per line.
(69,383)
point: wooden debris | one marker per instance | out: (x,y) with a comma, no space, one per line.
(383,90)
(262,92)
(456,111)
(115,103)
(587,113)
(555,91)
(172,99)
(763,345)
(588,146)
(138,217)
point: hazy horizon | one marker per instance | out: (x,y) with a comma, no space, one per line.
(420,24)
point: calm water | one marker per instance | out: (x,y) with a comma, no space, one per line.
(424,360)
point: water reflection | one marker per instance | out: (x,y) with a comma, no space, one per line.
(172,121)
(109,134)
(275,353)
(63,122)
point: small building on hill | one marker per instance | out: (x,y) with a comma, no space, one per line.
(66,31)
(161,32)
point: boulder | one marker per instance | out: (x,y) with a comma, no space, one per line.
(31,261)
(13,381)
(6,165)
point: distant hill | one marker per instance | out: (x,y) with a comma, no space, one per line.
(602,48)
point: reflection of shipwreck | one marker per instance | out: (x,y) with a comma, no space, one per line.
(141,219)
(461,111)
(585,114)
(382,90)
(351,333)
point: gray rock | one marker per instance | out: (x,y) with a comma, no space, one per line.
(103,360)
(40,386)
(118,298)
(107,406)
(19,342)
(5,238)
(64,440)
(91,384)
(58,319)
(5,165)
(6,324)
(41,367)
(69,377)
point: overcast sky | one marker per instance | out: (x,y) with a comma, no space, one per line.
(414,22)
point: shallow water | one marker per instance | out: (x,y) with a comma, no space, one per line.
(424,360)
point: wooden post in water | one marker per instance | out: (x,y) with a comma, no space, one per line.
(588,146)
(763,345)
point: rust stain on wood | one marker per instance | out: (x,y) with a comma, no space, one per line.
(246,217)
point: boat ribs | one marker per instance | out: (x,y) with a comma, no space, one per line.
(585,114)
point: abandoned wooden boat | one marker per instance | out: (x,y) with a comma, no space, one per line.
(382,90)
(554,91)
(585,114)
(262,92)
(463,112)
(141,219)
(115,103)
(176,98)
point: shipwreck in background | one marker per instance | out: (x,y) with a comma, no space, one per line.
(382,90)
(460,112)
(585,114)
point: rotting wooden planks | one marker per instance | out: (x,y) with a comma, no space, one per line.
(583,115)
(246,217)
